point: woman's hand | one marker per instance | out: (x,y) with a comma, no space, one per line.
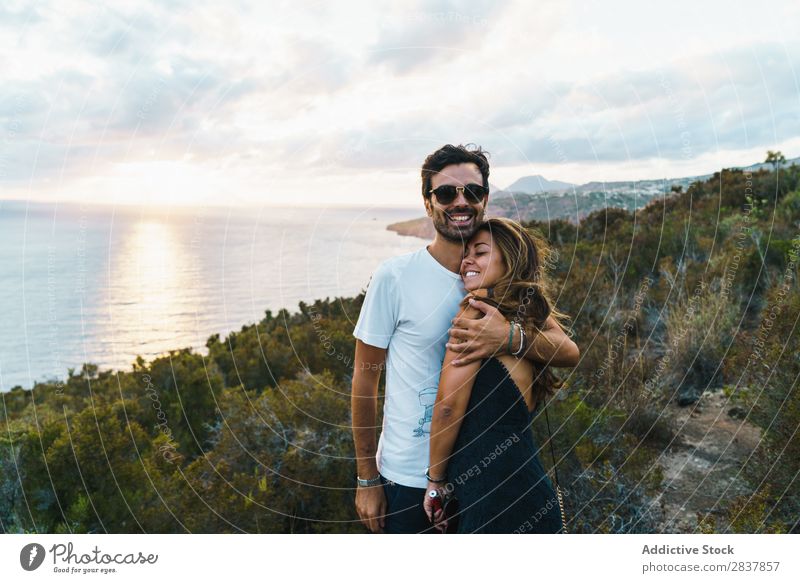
(434,514)
(478,339)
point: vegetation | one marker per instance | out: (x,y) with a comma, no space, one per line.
(695,292)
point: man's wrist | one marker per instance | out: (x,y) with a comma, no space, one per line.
(367,469)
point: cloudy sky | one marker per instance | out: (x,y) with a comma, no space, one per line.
(235,103)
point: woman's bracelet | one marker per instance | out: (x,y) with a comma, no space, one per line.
(523,340)
(510,336)
(428,475)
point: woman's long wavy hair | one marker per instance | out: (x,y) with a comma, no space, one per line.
(521,294)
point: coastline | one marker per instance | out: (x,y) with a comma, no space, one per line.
(421,227)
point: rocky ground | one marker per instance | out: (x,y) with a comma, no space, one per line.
(702,467)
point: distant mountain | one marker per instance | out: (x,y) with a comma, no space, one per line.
(536,184)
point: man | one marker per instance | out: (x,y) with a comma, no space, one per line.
(404,326)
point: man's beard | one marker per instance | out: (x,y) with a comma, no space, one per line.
(452,233)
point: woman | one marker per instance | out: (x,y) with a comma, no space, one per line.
(481,446)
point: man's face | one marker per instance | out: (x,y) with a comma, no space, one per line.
(458,220)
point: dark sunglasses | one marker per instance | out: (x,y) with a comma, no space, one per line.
(474,193)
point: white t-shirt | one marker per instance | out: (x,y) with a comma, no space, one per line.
(408,308)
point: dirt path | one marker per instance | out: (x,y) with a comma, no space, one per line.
(700,469)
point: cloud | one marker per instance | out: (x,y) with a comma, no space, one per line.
(18,14)
(117,88)
(432,32)
(739,98)
(310,68)
(254,91)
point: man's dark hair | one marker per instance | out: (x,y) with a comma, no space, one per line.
(451,154)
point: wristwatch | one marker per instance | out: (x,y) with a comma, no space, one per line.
(371,482)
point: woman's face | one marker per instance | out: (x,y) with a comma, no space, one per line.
(482,265)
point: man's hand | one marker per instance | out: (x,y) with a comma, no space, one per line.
(478,339)
(371,507)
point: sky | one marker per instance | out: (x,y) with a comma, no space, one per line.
(187,103)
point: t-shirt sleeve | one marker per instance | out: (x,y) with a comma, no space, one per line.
(378,318)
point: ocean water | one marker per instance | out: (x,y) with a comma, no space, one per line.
(95,284)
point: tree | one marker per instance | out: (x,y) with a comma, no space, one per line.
(776,159)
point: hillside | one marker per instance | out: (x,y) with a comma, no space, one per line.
(681,416)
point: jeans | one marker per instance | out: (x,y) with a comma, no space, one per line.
(404,514)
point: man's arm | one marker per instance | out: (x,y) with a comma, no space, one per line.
(478,339)
(370,501)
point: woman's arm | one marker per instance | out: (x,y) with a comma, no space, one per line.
(455,387)
(473,340)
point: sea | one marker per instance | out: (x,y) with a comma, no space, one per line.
(103,285)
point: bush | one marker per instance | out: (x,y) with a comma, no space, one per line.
(699,331)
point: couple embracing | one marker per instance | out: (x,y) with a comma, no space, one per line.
(466,334)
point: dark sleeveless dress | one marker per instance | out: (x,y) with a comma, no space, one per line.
(495,469)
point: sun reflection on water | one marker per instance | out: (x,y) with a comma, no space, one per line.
(149,275)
